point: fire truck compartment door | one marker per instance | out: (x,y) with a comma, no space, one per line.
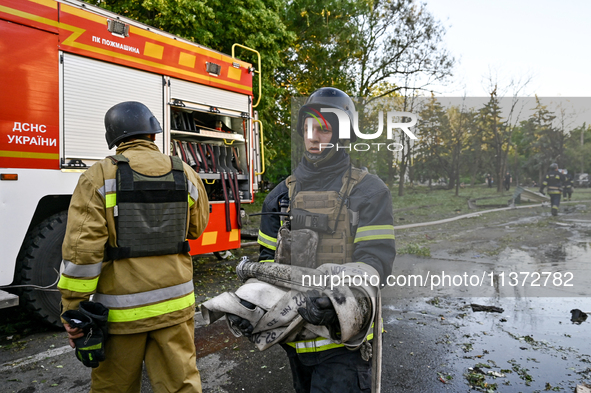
(90,88)
(208,96)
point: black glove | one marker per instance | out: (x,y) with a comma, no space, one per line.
(98,313)
(240,323)
(90,349)
(319,310)
(542,192)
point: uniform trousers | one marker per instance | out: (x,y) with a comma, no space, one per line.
(169,355)
(337,370)
(555,201)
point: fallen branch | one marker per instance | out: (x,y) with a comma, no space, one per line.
(478,307)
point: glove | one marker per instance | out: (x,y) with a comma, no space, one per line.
(240,323)
(92,319)
(98,313)
(319,310)
(542,192)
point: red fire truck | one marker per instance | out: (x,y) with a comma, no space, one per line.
(63,64)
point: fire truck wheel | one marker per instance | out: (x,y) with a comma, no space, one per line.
(39,262)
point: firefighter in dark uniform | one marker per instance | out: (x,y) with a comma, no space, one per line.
(360,230)
(507,181)
(554,180)
(567,191)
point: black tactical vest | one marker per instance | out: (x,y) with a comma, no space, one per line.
(151,212)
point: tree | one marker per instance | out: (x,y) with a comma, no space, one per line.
(578,150)
(497,133)
(537,140)
(434,126)
(400,52)
(399,42)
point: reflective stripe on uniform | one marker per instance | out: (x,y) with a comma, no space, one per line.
(110,200)
(193,193)
(143,298)
(323,344)
(87,271)
(374,232)
(77,285)
(110,186)
(267,241)
(267,260)
(153,310)
(315,345)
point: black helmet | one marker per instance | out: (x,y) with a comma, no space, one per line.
(127,119)
(327,97)
(554,166)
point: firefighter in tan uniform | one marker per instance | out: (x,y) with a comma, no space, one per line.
(126,243)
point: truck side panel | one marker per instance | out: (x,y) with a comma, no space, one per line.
(18,201)
(29,114)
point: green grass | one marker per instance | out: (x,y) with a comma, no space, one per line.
(414,249)
(419,204)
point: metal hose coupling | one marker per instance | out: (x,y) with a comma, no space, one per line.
(241,269)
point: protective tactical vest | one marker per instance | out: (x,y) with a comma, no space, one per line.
(151,212)
(335,245)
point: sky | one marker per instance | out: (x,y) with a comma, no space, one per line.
(547,41)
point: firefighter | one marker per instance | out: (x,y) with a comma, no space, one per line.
(554,180)
(567,191)
(359,229)
(126,242)
(507,181)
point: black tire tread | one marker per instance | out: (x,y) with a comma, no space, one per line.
(29,259)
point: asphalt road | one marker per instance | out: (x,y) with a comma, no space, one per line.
(433,340)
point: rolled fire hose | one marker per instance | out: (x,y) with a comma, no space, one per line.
(292,277)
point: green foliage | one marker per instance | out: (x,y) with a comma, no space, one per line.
(414,249)
(364,47)
(578,150)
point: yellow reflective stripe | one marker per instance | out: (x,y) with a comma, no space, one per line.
(191,201)
(309,346)
(153,310)
(375,237)
(267,241)
(374,232)
(269,238)
(318,349)
(266,245)
(110,200)
(267,261)
(77,285)
(96,346)
(374,228)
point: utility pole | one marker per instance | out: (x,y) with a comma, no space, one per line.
(582,143)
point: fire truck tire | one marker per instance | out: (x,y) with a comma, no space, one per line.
(39,263)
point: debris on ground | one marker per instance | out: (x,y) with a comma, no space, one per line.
(479,307)
(578,316)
